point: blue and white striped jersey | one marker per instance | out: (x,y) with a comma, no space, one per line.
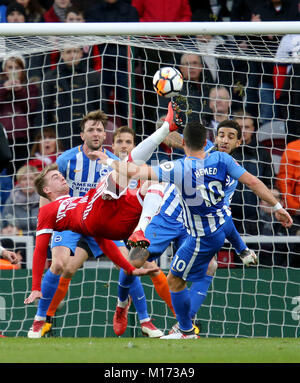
(81,173)
(171,202)
(201,185)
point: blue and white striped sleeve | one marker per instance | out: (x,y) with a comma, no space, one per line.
(170,172)
(233,168)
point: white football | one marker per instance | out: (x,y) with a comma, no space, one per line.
(167,82)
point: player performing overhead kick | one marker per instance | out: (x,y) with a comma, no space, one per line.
(109,212)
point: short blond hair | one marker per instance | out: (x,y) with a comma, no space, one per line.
(39,182)
(26,169)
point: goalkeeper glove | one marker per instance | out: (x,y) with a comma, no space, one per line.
(248,257)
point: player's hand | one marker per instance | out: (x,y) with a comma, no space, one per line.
(283,217)
(97,155)
(35,294)
(10,256)
(140,272)
(248,257)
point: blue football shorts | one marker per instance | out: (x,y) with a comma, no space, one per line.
(70,239)
(192,258)
(161,231)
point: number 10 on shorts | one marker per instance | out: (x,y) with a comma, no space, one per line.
(178,264)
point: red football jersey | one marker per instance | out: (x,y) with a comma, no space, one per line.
(100,214)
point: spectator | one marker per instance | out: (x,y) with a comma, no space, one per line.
(243,10)
(16,247)
(157,11)
(15,13)
(207,44)
(9,259)
(3,5)
(261,73)
(46,4)
(77,15)
(217,9)
(21,208)
(18,102)
(6,179)
(289,101)
(219,109)
(5,152)
(74,15)
(278,254)
(57,12)
(41,62)
(74,90)
(34,11)
(289,177)
(288,47)
(224,71)
(197,85)
(6,186)
(45,149)
(257,161)
(114,57)
(204,6)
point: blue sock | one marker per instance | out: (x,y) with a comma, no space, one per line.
(125,281)
(198,292)
(137,293)
(49,286)
(132,285)
(181,302)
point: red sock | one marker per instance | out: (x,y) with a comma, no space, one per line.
(59,295)
(162,288)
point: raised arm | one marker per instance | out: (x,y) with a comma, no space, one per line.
(131,170)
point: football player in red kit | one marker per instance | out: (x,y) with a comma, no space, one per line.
(101,214)
(109,212)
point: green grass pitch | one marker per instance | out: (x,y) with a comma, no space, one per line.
(144,350)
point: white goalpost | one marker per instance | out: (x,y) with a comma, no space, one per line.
(114,73)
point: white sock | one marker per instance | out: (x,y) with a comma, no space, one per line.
(141,153)
(38,318)
(122,304)
(144,320)
(151,205)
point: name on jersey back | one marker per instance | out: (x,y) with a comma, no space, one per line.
(205,171)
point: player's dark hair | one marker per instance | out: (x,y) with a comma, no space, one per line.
(124,129)
(231,124)
(95,115)
(39,181)
(75,9)
(194,135)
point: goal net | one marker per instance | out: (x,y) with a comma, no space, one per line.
(54,74)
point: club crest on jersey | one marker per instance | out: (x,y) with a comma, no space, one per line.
(103,170)
(133,184)
(58,238)
(167,166)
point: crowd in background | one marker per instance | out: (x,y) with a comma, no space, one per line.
(44,96)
